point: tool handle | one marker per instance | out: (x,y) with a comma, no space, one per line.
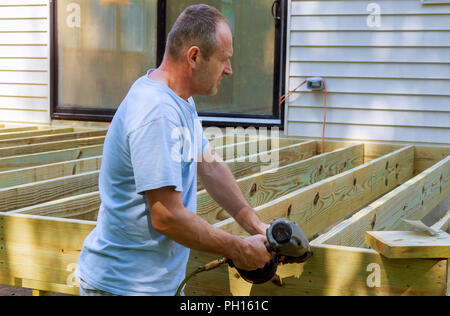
(215,264)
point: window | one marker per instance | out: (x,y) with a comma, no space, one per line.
(100,47)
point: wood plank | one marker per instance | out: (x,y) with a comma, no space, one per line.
(427,156)
(324,203)
(17,129)
(242,167)
(51,138)
(263,187)
(45,172)
(83,207)
(333,271)
(39,192)
(45,250)
(412,200)
(23,161)
(44,147)
(409,244)
(49,131)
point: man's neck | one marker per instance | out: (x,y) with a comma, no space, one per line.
(174,77)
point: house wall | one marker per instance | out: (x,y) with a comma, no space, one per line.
(385,82)
(24,61)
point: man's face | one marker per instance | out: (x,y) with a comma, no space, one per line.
(211,72)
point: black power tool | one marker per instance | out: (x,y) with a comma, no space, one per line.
(286,242)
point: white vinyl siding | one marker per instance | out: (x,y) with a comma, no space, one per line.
(389,83)
(24,61)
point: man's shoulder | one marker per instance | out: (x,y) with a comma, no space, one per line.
(147,103)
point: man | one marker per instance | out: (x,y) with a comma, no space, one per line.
(147,221)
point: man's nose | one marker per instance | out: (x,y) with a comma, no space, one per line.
(228,69)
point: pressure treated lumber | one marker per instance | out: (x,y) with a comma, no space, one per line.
(84,207)
(58,145)
(47,250)
(45,172)
(409,244)
(245,166)
(49,131)
(427,156)
(39,192)
(288,178)
(50,138)
(412,200)
(18,129)
(23,161)
(41,249)
(263,187)
(322,204)
(334,271)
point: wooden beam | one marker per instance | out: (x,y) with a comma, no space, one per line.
(83,207)
(242,167)
(43,191)
(18,129)
(41,249)
(45,172)
(427,156)
(263,187)
(323,204)
(47,250)
(23,161)
(409,244)
(44,147)
(412,200)
(50,138)
(334,271)
(36,133)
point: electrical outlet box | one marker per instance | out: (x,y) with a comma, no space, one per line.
(315,84)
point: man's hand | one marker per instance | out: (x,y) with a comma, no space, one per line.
(255,254)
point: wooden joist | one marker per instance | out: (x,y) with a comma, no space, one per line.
(324,203)
(18,129)
(50,138)
(263,187)
(409,244)
(23,161)
(45,172)
(412,200)
(44,147)
(37,132)
(39,192)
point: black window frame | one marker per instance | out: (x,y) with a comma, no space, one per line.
(106,115)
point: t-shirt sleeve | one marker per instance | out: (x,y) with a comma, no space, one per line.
(154,156)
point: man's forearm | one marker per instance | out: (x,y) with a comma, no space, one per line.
(220,183)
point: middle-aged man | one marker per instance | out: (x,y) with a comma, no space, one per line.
(148,180)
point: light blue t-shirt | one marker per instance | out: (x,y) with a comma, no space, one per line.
(153,142)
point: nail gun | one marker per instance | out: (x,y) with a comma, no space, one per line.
(287,243)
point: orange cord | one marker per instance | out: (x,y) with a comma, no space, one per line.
(287,95)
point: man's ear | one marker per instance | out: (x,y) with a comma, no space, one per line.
(193,56)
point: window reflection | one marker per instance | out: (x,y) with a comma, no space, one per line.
(104,46)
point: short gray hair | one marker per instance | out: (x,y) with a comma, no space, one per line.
(196,25)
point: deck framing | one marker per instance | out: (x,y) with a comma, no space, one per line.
(49,200)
